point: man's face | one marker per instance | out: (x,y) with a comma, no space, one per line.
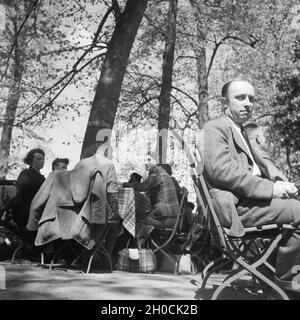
(61,166)
(150,163)
(239,100)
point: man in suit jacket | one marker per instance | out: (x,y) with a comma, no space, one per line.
(242,191)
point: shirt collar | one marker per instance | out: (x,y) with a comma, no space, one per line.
(237,126)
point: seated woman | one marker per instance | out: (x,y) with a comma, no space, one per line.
(28,184)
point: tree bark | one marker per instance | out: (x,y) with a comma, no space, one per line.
(166,86)
(105,103)
(200,53)
(14,95)
(202,81)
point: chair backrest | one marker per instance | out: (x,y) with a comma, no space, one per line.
(204,199)
(182,211)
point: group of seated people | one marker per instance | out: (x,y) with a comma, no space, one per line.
(34,193)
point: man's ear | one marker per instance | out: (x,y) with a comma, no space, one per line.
(224,102)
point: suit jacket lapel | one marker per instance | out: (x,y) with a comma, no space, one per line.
(236,137)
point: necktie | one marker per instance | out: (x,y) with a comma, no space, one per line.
(247,140)
(256,169)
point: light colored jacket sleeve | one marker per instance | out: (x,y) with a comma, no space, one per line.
(274,173)
(112,185)
(38,203)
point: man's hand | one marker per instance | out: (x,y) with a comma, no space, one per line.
(284,190)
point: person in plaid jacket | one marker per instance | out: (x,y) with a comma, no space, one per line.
(160,188)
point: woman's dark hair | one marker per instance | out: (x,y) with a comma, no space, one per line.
(30,155)
(135,177)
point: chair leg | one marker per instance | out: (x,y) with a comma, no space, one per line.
(166,254)
(252,269)
(210,265)
(176,267)
(42,258)
(56,254)
(215,266)
(104,252)
(19,247)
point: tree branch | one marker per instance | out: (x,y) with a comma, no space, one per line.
(186,94)
(73,73)
(251,43)
(16,36)
(70,73)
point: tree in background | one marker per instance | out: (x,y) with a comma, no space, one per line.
(105,103)
(216,40)
(18,37)
(286,124)
(47,48)
(164,108)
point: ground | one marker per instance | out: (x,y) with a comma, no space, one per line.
(29,281)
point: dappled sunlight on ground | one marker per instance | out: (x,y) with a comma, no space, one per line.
(26,280)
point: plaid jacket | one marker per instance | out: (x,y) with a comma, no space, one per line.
(162,192)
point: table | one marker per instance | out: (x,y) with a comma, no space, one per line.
(129,201)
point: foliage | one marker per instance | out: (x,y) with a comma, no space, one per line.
(242,38)
(62,46)
(287,120)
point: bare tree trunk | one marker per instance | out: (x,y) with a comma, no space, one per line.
(202,79)
(200,52)
(166,86)
(14,95)
(105,103)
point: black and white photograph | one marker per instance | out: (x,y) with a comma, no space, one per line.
(149,154)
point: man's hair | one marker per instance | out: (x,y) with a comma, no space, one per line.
(166,167)
(30,155)
(136,176)
(225,88)
(59,160)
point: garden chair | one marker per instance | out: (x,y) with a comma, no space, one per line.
(248,253)
(171,242)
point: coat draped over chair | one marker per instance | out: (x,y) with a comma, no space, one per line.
(68,204)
